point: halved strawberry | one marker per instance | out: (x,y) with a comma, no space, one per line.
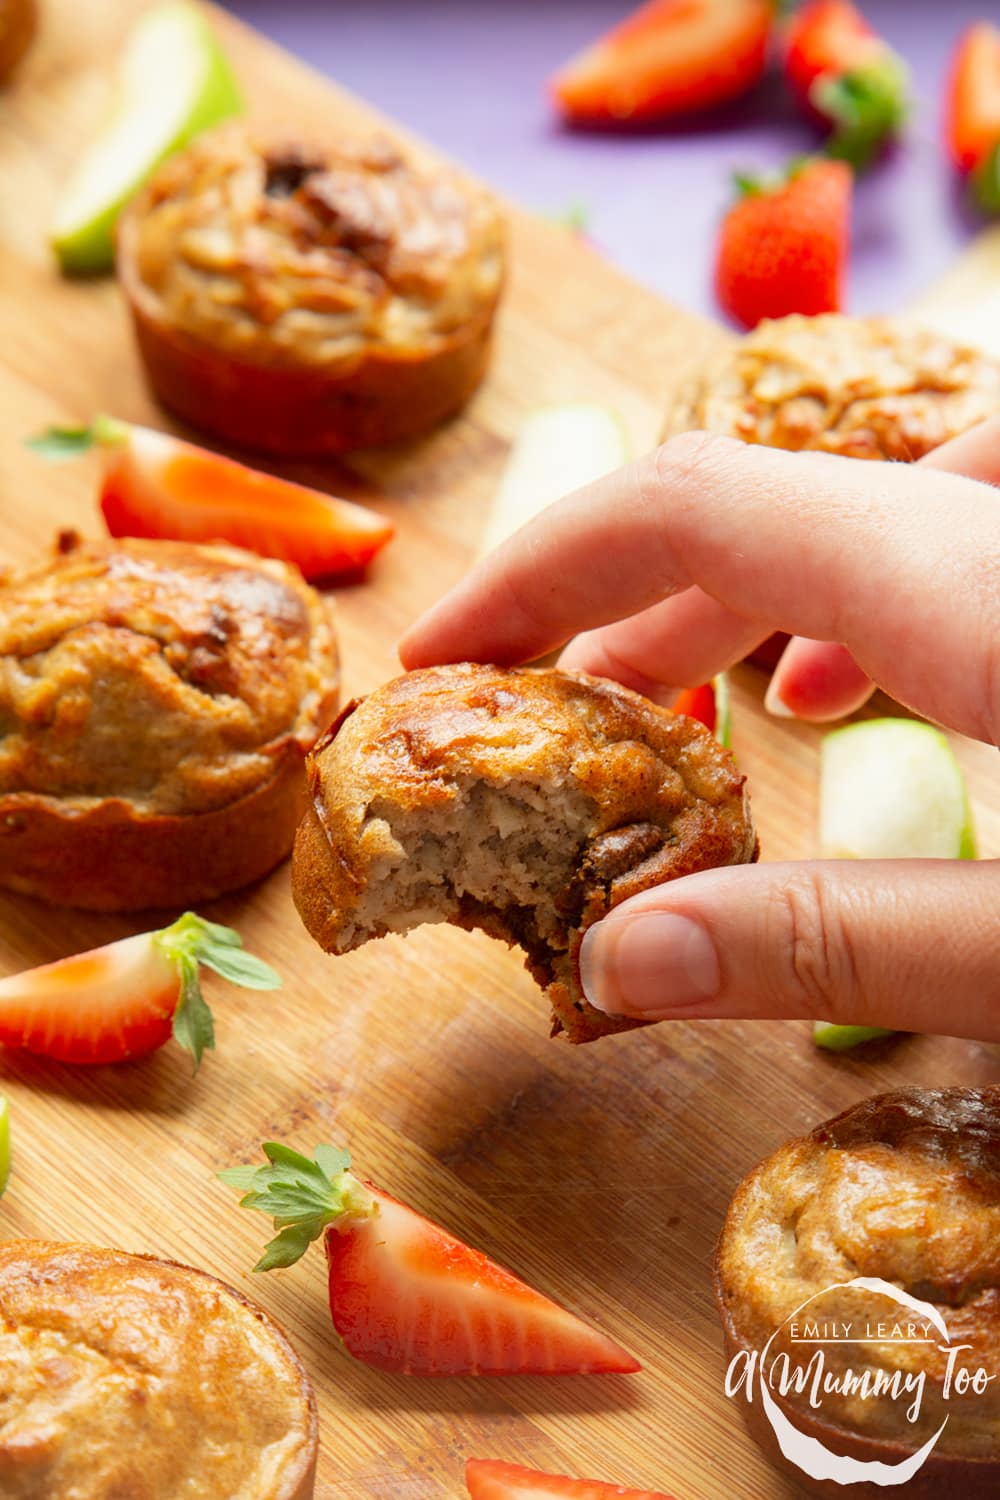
(783,248)
(489,1479)
(405,1294)
(973,110)
(709,704)
(156,485)
(846,77)
(671,57)
(129,997)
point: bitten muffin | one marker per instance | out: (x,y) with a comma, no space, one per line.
(310,298)
(18,23)
(121,1375)
(904,1187)
(157,700)
(871,388)
(523,802)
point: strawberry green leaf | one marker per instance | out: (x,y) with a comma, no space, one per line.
(69,442)
(191,941)
(866,107)
(291,1244)
(239,967)
(331,1160)
(301,1195)
(193,1027)
(986,181)
(238,1177)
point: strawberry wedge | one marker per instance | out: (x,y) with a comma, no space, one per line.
(709,704)
(670,57)
(129,997)
(156,485)
(489,1479)
(406,1295)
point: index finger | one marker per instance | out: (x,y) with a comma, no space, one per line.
(898,563)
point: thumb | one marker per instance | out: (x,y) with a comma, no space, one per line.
(911,945)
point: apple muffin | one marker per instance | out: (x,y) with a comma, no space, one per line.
(524,802)
(903,1189)
(875,388)
(310,297)
(157,700)
(18,23)
(122,1375)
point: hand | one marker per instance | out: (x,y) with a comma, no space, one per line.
(678,566)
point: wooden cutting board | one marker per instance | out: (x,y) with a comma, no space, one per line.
(601,1174)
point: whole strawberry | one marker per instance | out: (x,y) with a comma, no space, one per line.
(783,247)
(846,77)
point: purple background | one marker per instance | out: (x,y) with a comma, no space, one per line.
(470,75)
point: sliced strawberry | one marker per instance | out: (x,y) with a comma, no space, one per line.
(127,998)
(489,1479)
(103,1006)
(671,57)
(406,1295)
(846,77)
(973,110)
(156,485)
(709,704)
(697,703)
(784,249)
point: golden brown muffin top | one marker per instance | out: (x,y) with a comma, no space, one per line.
(871,388)
(122,1375)
(527,802)
(164,673)
(290,253)
(904,1187)
(18,20)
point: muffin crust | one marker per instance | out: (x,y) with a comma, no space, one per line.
(904,1187)
(121,1375)
(339,275)
(523,802)
(873,388)
(149,689)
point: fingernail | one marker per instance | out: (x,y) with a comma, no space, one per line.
(775,705)
(650,963)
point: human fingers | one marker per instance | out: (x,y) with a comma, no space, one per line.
(817,681)
(897,562)
(908,945)
(679,642)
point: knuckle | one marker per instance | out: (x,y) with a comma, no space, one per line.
(814,947)
(692,456)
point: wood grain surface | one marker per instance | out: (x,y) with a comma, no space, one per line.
(600,1174)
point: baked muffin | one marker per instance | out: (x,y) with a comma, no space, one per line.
(904,1187)
(18,22)
(310,298)
(523,802)
(156,703)
(872,388)
(121,1375)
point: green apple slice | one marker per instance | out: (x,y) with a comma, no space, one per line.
(892,789)
(4,1143)
(723,710)
(889,789)
(842,1038)
(559,449)
(173,81)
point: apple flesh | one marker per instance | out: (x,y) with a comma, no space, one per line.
(558,450)
(173,82)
